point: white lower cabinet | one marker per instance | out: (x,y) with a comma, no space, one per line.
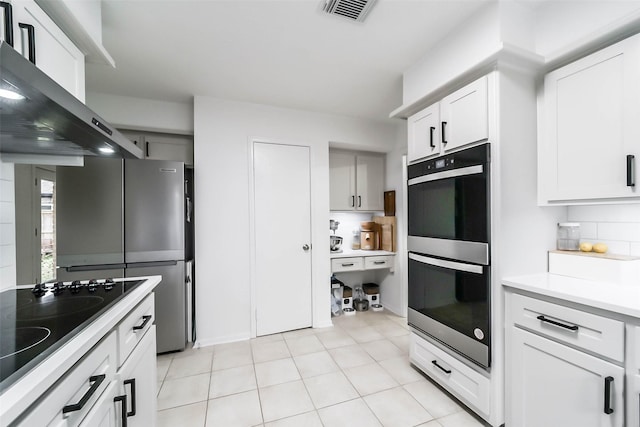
(72,399)
(361,263)
(633,377)
(114,384)
(137,380)
(565,366)
(467,384)
(107,412)
(555,385)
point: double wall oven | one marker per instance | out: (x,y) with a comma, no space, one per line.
(449,258)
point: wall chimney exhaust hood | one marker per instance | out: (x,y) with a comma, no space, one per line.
(44,119)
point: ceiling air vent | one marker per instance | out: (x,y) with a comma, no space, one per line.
(356,10)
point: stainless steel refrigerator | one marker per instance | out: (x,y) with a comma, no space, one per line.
(126,218)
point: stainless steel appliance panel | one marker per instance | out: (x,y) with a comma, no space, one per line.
(450,301)
(455,249)
(154,210)
(451,338)
(89,215)
(171,302)
(68,275)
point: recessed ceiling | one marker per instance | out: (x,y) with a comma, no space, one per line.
(282,53)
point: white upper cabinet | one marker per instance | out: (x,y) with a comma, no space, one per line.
(40,40)
(424,133)
(161,146)
(464,116)
(590,136)
(356,181)
(459,119)
(370,182)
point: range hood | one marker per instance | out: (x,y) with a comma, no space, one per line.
(48,120)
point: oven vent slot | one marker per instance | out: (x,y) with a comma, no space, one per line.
(355,10)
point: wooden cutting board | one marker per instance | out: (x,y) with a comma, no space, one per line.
(387,233)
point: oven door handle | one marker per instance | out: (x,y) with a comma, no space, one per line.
(452,265)
(452,173)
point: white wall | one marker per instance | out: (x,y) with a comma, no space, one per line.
(142,114)
(222,132)
(561,24)
(616,225)
(7,227)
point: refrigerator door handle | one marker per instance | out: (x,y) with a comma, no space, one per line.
(189,208)
(94,267)
(151,264)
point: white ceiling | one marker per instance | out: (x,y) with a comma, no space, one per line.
(285,53)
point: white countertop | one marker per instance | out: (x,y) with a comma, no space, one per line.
(623,299)
(357,252)
(21,394)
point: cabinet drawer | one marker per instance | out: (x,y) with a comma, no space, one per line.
(588,331)
(383,261)
(470,386)
(74,385)
(134,326)
(347,264)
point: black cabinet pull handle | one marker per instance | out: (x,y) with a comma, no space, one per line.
(446,371)
(347,265)
(8,22)
(379,262)
(31,34)
(145,320)
(431,130)
(96,380)
(631,170)
(147,149)
(553,322)
(608,381)
(122,399)
(359,201)
(442,126)
(132,382)
(353,201)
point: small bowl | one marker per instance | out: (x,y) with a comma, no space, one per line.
(335,243)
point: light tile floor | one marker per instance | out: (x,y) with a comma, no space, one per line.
(354,374)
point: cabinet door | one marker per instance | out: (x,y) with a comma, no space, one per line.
(464,116)
(169,147)
(137,379)
(55,53)
(342,181)
(370,183)
(424,133)
(555,385)
(106,412)
(591,110)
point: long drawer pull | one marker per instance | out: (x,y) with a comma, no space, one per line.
(132,382)
(96,380)
(379,262)
(347,264)
(608,381)
(553,322)
(145,320)
(446,371)
(123,412)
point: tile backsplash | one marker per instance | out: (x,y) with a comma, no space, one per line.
(616,225)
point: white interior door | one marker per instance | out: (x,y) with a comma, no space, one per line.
(282,221)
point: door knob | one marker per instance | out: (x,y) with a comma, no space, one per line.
(305,247)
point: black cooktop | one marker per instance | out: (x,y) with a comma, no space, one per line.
(35,322)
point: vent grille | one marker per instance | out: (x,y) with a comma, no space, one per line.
(355,10)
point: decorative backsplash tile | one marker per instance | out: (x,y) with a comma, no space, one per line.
(616,225)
